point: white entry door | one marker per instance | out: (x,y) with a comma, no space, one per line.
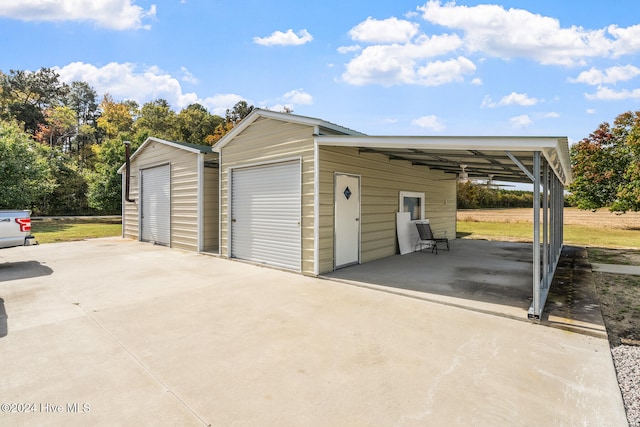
(347,220)
(155,212)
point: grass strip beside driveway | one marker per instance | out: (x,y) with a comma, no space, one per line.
(55,230)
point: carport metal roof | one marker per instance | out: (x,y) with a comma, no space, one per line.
(506,158)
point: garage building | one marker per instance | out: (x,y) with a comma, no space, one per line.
(173,196)
(286,201)
(311,196)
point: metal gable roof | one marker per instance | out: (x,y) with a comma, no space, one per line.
(497,156)
(286,117)
(193,148)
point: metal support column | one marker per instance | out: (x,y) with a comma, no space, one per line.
(546,281)
(535,310)
(558,206)
(553,226)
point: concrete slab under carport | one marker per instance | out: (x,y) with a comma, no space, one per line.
(479,274)
(492,277)
(150,335)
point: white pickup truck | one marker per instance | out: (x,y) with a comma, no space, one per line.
(15,229)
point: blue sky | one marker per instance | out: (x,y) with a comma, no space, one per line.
(383,68)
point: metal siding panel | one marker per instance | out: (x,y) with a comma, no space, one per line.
(211,217)
(184,200)
(266,214)
(382,179)
(156,205)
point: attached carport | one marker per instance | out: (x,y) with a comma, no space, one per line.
(541,161)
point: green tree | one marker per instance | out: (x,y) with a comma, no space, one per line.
(232,118)
(606,166)
(82,99)
(156,119)
(629,190)
(24,95)
(59,128)
(117,117)
(196,125)
(238,112)
(105,184)
(24,170)
(69,197)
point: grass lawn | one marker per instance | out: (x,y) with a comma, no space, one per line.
(573,234)
(50,230)
(581,228)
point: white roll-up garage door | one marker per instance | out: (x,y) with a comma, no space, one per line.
(266,214)
(155,213)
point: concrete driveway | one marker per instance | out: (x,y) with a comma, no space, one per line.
(116,332)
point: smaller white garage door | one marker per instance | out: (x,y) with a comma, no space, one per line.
(265,214)
(155,212)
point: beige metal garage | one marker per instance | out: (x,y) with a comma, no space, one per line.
(351,187)
(173,196)
(265,139)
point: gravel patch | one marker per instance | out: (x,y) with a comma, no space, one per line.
(626,359)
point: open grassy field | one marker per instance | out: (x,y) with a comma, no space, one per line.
(585,228)
(52,230)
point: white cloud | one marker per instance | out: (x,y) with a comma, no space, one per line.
(125,81)
(521,121)
(611,75)
(187,76)
(519,33)
(627,39)
(288,38)
(591,110)
(288,101)
(349,49)
(113,14)
(440,72)
(430,122)
(608,94)
(394,64)
(513,98)
(397,51)
(477,81)
(551,115)
(218,104)
(298,96)
(391,30)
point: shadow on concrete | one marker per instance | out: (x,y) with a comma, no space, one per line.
(4,330)
(487,276)
(23,270)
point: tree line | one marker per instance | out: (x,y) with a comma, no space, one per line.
(471,195)
(61,146)
(606,166)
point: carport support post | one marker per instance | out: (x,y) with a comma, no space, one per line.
(545,226)
(535,313)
